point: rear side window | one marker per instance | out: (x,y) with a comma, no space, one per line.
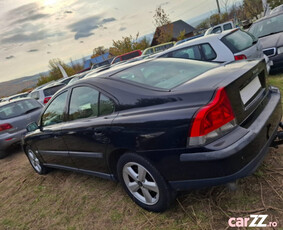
(164,74)
(208,52)
(50,91)
(238,41)
(18,108)
(88,102)
(227,26)
(187,53)
(216,30)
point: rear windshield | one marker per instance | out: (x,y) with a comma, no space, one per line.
(238,41)
(164,74)
(267,26)
(50,91)
(18,108)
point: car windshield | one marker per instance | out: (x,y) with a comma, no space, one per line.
(267,26)
(18,108)
(164,74)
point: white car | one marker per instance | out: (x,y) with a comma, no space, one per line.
(44,94)
(230,45)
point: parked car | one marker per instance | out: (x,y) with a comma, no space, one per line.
(16,96)
(232,45)
(126,56)
(43,94)
(269,31)
(220,28)
(160,126)
(157,48)
(14,117)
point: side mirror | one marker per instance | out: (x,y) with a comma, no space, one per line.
(32,127)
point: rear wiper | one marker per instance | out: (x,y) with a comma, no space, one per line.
(31,110)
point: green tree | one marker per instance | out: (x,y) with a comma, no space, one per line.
(128,44)
(55,73)
(160,17)
(252,8)
(181,35)
(164,28)
(274,3)
(98,51)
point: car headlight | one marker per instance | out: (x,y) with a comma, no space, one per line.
(280,50)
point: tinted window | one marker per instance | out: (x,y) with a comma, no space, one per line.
(55,111)
(267,26)
(227,26)
(238,41)
(52,90)
(18,108)
(106,106)
(187,53)
(84,103)
(208,52)
(216,30)
(164,74)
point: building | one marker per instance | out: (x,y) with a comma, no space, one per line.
(173,29)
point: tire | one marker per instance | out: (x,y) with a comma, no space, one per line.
(35,162)
(143,183)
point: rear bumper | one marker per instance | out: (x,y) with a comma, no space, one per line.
(245,149)
(8,139)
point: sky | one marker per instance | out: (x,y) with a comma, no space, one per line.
(33,32)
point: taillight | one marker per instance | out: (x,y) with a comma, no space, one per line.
(5,127)
(213,120)
(46,100)
(240,57)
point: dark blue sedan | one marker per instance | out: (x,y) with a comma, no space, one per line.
(160,126)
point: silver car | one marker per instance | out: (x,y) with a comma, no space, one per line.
(14,117)
(230,45)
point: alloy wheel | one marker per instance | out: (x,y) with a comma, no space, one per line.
(140,183)
(34,161)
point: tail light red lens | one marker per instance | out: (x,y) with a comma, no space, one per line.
(217,116)
(46,100)
(5,127)
(240,57)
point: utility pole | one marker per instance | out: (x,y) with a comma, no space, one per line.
(217,1)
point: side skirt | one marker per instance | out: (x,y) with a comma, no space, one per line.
(92,173)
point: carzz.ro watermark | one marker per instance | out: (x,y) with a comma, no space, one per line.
(252,221)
